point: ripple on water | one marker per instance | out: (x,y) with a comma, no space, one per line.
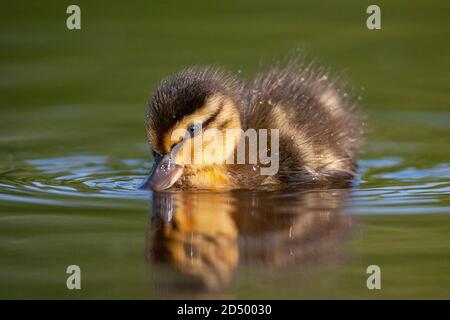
(76,176)
(439,172)
(387,185)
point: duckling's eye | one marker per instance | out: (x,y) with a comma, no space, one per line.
(194,129)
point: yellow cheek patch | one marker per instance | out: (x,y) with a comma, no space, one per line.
(196,150)
(230,116)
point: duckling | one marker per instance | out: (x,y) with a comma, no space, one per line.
(318,129)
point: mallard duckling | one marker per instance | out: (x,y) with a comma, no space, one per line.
(318,129)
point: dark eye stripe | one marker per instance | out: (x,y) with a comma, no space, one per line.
(213,116)
(224,124)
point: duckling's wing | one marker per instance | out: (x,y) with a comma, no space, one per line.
(319,129)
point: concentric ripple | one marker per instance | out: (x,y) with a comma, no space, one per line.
(77,176)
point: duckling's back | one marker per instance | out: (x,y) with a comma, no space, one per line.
(320,131)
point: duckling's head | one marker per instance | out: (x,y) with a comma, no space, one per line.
(181,110)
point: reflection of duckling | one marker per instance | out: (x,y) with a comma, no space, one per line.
(319,134)
(184,234)
(207,235)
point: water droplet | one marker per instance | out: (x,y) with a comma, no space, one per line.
(167,165)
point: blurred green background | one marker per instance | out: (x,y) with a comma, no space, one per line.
(100,77)
(84,93)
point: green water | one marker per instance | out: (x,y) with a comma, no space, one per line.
(73,147)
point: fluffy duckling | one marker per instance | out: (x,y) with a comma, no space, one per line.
(318,133)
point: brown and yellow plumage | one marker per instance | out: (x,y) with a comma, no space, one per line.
(319,131)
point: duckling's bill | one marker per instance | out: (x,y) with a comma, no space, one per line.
(165,170)
(165,173)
